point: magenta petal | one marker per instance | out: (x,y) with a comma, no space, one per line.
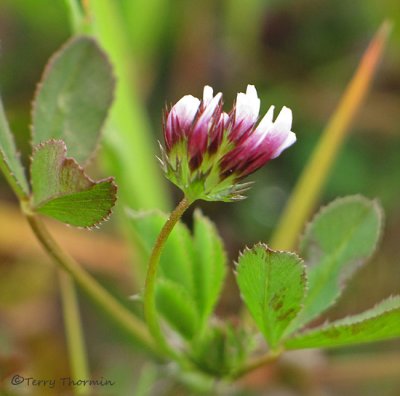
(217,133)
(179,120)
(198,138)
(172,130)
(246,111)
(290,139)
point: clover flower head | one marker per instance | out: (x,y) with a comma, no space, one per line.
(209,152)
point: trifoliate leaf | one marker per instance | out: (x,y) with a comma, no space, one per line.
(272,284)
(198,263)
(10,163)
(73,98)
(377,324)
(340,238)
(62,190)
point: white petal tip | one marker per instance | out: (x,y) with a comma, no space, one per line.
(251,90)
(186,108)
(247,105)
(291,139)
(208,93)
(284,119)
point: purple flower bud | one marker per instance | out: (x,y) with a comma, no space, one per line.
(208,151)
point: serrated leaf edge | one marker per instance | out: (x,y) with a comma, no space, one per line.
(339,200)
(114,187)
(327,325)
(304,277)
(325,209)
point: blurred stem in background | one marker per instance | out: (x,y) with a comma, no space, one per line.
(313,178)
(145,26)
(75,16)
(129,148)
(120,315)
(77,353)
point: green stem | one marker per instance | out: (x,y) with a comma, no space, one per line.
(117,312)
(150,311)
(75,14)
(73,328)
(263,360)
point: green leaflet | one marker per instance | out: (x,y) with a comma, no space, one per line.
(272,284)
(194,265)
(73,98)
(379,323)
(9,159)
(62,190)
(176,258)
(221,349)
(340,238)
(209,268)
(178,307)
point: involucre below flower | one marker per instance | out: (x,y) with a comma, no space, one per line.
(209,152)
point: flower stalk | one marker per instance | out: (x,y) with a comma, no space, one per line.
(150,310)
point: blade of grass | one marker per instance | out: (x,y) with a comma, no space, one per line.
(128,140)
(312,180)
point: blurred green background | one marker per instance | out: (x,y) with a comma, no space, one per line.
(297,53)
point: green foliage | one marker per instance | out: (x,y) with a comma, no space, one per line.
(9,158)
(71,106)
(339,239)
(379,323)
(221,349)
(272,285)
(73,97)
(177,256)
(209,268)
(178,307)
(62,190)
(192,269)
